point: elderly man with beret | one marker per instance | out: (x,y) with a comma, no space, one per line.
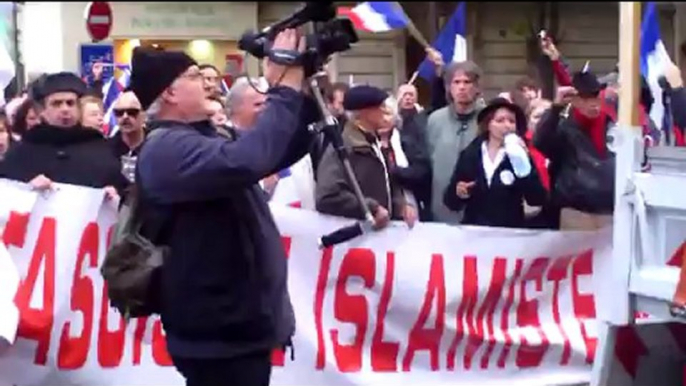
(334,195)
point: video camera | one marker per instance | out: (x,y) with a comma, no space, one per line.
(331,35)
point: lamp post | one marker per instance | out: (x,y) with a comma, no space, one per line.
(18,67)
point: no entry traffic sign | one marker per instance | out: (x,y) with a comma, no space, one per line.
(99,20)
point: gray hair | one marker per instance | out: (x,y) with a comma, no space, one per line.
(238,89)
(467,67)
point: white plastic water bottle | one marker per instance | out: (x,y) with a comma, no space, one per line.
(517,155)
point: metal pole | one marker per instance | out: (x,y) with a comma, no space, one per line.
(18,68)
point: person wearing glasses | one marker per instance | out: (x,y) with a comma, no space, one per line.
(131,134)
(211,80)
(224,296)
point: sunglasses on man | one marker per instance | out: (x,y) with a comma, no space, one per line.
(133,113)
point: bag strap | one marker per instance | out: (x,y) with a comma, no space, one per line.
(135,222)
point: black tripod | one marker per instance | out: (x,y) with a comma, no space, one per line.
(329,126)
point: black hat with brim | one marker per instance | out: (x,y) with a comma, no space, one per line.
(153,70)
(587,84)
(498,103)
(50,84)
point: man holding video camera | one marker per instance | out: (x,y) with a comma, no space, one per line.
(225,303)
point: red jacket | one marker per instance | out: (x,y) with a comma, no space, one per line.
(540,162)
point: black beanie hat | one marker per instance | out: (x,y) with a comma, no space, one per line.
(53,83)
(153,70)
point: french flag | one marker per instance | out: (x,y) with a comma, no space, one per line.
(110,92)
(654,61)
(451,43)
(376,16)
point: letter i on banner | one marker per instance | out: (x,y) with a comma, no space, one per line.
(530,355)
(278,355)
(320,292)
(352,309)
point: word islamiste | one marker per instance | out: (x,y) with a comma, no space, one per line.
(511,288)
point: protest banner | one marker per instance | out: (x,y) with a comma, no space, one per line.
(435,305)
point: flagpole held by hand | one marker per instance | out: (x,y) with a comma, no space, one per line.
(413,78)
(412,29)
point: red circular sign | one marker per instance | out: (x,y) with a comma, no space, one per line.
(99,20)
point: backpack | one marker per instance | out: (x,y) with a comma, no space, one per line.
(132,266)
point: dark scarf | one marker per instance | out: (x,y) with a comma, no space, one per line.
(45,134)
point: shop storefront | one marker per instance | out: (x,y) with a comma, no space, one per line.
(209,32)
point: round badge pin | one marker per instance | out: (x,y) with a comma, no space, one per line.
(507,178)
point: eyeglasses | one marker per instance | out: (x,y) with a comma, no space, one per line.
(192,75)
(133,112)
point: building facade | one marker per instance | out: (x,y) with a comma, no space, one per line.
(501,36)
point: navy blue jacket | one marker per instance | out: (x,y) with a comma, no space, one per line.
(224,285)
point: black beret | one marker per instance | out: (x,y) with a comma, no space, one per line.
(587,84)
(153,70)
(363,97)
(50,84)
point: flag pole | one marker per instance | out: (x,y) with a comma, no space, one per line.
(413,78)
(412,29)
(629,55)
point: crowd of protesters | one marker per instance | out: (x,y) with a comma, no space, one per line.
(516,161)
(445,163)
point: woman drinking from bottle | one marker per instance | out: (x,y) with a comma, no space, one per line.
(494,176)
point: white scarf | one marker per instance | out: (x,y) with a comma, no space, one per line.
(401,161)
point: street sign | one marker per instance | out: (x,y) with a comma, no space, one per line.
(96,53)
(99,20)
